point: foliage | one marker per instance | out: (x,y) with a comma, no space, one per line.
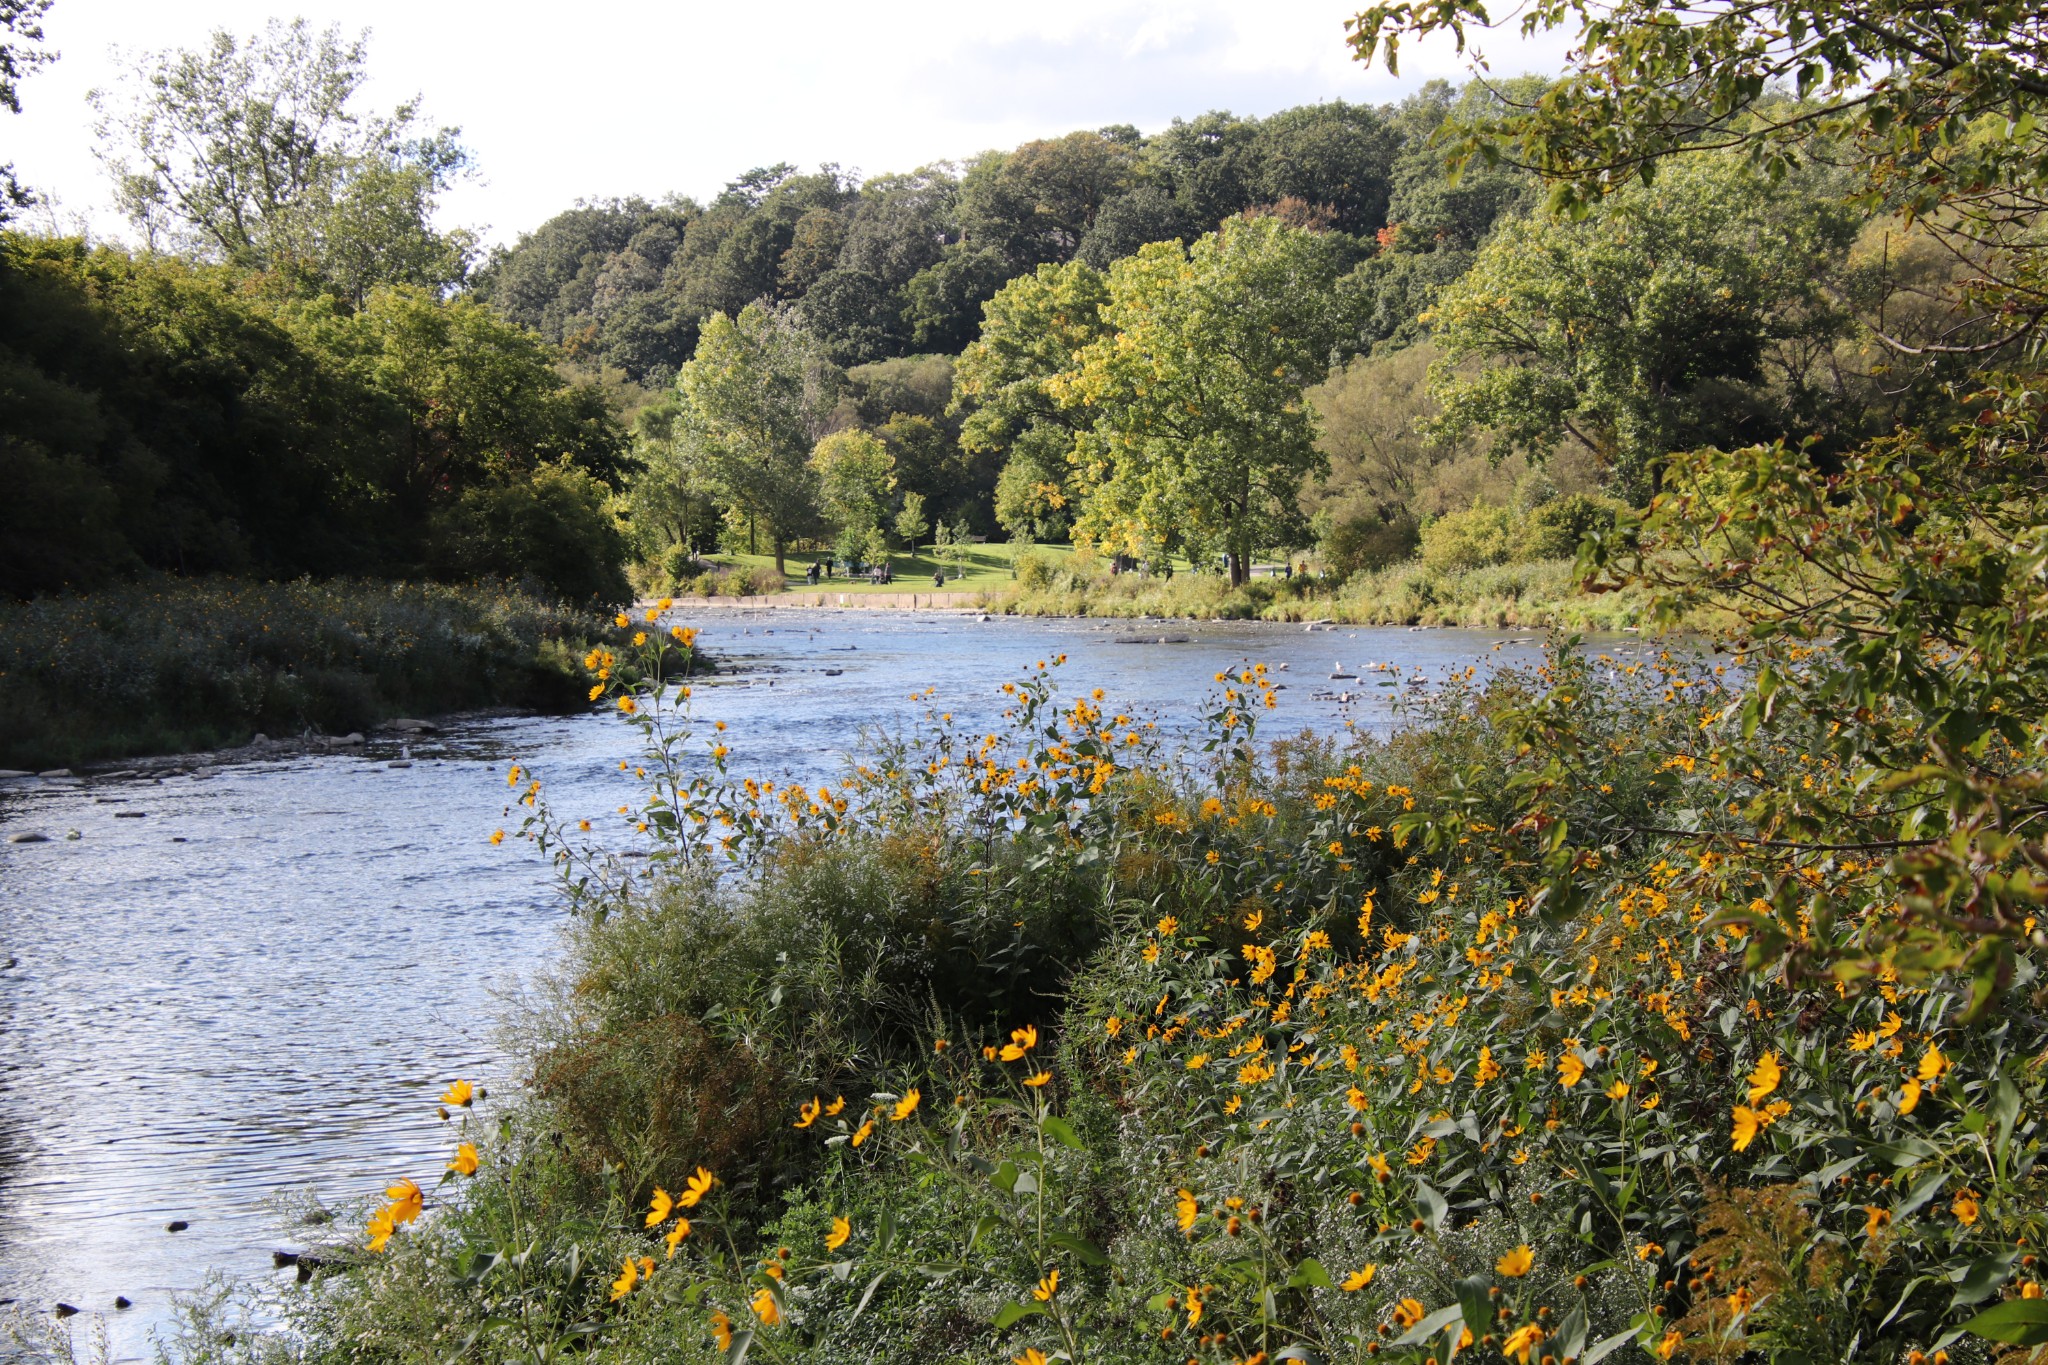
(249,152)
(1199,438)
(554,530)
(21,22)
(856,484)
(165,665)
(177,416)
(1089,1046)
(1685,313)
(754,400)
(1472,539)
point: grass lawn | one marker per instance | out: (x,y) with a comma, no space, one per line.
(982,568)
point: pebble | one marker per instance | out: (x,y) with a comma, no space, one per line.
(176,1225)
(56,772)
(65,1310)
(418,727)
(29,836)
(123,1301)
(130,814)
(9,774)
(399,763)
(72,834)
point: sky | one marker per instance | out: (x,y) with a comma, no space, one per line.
(651,97)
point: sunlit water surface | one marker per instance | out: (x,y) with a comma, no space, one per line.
(255,979)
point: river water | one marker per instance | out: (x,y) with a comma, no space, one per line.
(251,981)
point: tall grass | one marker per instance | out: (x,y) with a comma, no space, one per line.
(165,665)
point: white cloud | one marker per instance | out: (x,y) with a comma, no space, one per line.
(646,97)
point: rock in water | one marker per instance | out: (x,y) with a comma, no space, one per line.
(176,1225)
(29,836)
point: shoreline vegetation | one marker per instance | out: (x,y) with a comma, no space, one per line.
(162,665)
(1056,580)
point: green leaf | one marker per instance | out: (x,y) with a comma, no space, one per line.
(1060,1131)
(1308,1273)
(1433,1204)
(1474,1304)
(1080,1246)
(1923,1190)
(1980,1279)
(1013,1313)
(1606,1347)
(2016,1322)
(742,1342)
(1430,1326)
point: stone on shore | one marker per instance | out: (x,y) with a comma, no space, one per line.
(29,836)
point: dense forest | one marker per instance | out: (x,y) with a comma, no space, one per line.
(1232,337)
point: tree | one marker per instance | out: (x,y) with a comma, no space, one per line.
(20,28)
(856,477)
(755,398)
(250,152)
(1198,436)
(910,520)
(1679,314)
(1035,204)
(1030,332)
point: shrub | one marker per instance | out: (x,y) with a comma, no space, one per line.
(1471,539)
(1363,542)
(1554,529)
(553,531)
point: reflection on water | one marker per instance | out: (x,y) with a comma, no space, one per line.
(258,979)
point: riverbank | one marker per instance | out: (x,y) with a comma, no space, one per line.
(172,666)
(1541,595)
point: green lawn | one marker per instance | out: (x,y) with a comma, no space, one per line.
(985,568)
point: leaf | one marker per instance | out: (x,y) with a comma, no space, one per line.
(1569,1340)
(1981,1278)
(1310,1272)
(1080,1246)
(1430,1326)
(885,1231)
(2016,1322)
(1474,1304)
(1433,1203)
(1060,1131)
(1923,1190)
(1606,1347)
(742,1342)
(1013,1313)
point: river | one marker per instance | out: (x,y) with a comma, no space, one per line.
(250,981)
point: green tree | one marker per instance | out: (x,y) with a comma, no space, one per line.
(755,398)
(1029,333)
(910,520)
(21,30)
(856,478)
(249,151)
(1198,435)
(1689,312)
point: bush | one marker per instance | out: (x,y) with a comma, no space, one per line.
(1362,542)
(1554,529)
(1471,539)
(552,531)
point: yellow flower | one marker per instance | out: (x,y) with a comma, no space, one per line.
(1186,1210)
(1862,1040)
(497,837)
(664,604)
(721,1331)
(1965,1209)
(832,1109)
(1764,1079)
(465,1162)
(1487,1068)
(1380,1169)
(596,691)
(1048,1286)
(1909,1097)
(628,1277)
(906,1106)
(1198,1061)
(1570,1069)
(697,1187)
(627,705)
(1892,1024)
(622,620)
(1618,1091)
(639,638)
(406,1201)
(381,1228)
(1408,1312)
(1032,1356)
(1874,1218)
(676,1234)
(1932,1065)
(808,1113)
(1021,1041)
(1521,1341)
(766,1308)
(1516,1263)
(1664,1349)
(1748,1122)
(861,1134)
(1359,1279)
(1038,1078)
(459,1094)
(841,1230)
(659,1208)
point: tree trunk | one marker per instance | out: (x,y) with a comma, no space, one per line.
(779,568)
(1237,568)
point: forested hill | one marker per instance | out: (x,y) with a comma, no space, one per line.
(900,264)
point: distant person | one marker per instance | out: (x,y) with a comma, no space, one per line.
(939,578)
